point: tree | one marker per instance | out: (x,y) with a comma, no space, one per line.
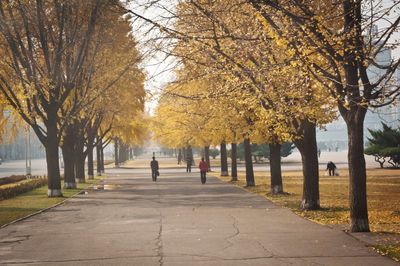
(214,153)
(43,65)
(385,143)
(335,40)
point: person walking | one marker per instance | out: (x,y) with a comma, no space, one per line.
(203,170)
(189,160)
(154,169)
(331,168)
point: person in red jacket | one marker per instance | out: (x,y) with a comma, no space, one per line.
(203,170)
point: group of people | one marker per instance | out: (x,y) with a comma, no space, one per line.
(203,166)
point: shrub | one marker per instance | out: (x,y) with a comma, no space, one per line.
(14,189)
(383,144)
(11,179)
(214,153)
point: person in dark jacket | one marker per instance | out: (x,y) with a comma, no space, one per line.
(331,168)
(203,170)
(154,169)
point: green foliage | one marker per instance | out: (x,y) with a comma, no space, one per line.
(14,189)
(287,149)
(214,153)
(262,150)
(385,143)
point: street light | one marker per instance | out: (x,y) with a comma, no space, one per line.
(28,156)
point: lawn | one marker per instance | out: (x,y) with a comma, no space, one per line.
(383,187)
(33,201)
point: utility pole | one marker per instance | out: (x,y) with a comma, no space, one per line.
(28,155)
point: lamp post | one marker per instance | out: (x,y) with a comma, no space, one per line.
(28,156)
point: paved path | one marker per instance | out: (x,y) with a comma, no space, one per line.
(176,221)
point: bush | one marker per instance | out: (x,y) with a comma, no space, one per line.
(11,179)
(214,153)
(14,189)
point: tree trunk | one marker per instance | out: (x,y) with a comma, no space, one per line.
(102,169)
(249,163)
(307,146)
(275,168)
(116,157)
(121,147)
(69,166)
(52,160)
(189,154)
(123,152)
(234,161)
(207,157)
(184,154)
(90,161)
(357,172)
(180,156)
(98,159)
(80,169)
(68,150)
(224,160)
(354,116)
(80,161)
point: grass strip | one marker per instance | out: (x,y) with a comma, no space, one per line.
(34,201)
(391,251)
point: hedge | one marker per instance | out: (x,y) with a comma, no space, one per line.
(11,179)
(12,190)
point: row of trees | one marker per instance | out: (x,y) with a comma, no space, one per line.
(268,71)
(70,70)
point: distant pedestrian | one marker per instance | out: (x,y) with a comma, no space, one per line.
(154,169)
(189,160)
(319,153)
(203,170)
(331,167)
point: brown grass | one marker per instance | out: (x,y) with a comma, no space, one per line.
(383,188)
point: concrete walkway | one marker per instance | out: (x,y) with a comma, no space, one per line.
(176,221)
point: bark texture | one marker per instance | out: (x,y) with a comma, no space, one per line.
(307,146)
(234,161)
(357,174)
(249,163)
(207,157)
(52,160)
(90,161)
(275,168)
(224,160)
